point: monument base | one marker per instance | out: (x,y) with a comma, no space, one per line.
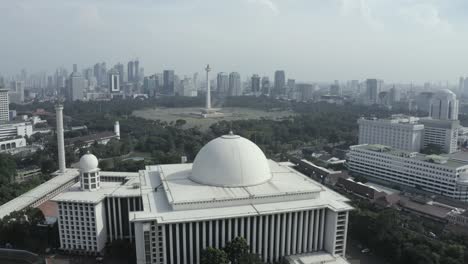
(211,113)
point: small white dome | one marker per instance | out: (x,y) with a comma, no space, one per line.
(230,161)
(88,162)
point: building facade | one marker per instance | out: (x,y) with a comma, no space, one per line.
(444,105)
(4,105)
(222,84)
(435,174)
(280,83)
(443,133)
(402,132)
(13,130)
(235,88)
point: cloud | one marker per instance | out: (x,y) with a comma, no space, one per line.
(267,5)
(362,10)
(426,15)
(88,17)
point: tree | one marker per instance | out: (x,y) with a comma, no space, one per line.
(213,256)
(250,258)
(236,249)
(432,149)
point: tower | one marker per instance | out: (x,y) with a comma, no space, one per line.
(89,173)
(60,139)
(208,89)
(4,105)
(117,129)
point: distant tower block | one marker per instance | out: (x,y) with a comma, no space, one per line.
(60,139)
(208,88)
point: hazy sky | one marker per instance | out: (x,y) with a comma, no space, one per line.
(396,40)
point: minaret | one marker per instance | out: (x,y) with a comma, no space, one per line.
(208,89)
(60,140)
(117,129)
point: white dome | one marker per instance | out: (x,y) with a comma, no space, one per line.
(88,162)
(230,161)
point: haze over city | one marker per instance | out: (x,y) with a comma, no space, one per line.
(233,132)
(399,41)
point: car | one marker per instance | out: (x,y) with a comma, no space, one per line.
(366,250)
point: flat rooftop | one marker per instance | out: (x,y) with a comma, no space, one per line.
(26,199)
(447,160)
(170,196)
(316,258)
(126,189)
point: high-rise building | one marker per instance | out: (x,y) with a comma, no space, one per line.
(4,105)
(137,71)
(444,105)
(280,83)
(373,87)
(120,68)
(401,132)
(17,92)
(114,81)
(222,84)
(461,85)
(291,88)
(394,95)
(266,85)
(131,71)
(305,92)
(442,133)
(75,85)
(168,82)
(255,84)
(235,88)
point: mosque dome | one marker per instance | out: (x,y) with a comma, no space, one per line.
(230,161)
(88,162)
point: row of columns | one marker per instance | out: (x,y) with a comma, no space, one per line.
(270,236)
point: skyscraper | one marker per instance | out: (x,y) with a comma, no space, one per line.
(444,105)
(235,84)
(372,91)
(222,84)
(17,92)
(120,68)
(280,83)
(137,71)
(76,85)
(131,71)
(114,81)
(255,84)
(4,105)
(168,82)
(265,85)
(290,88)
(394,95)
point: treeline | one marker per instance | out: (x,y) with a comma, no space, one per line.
(399,240)
(25,230)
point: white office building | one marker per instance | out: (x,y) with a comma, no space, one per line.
(17,129)
(441,175)
(402,132)
(443,133)
(174,211)
(4,106)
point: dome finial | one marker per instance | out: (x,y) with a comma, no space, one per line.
(231,133)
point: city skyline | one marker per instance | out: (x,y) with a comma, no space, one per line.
(310,40)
